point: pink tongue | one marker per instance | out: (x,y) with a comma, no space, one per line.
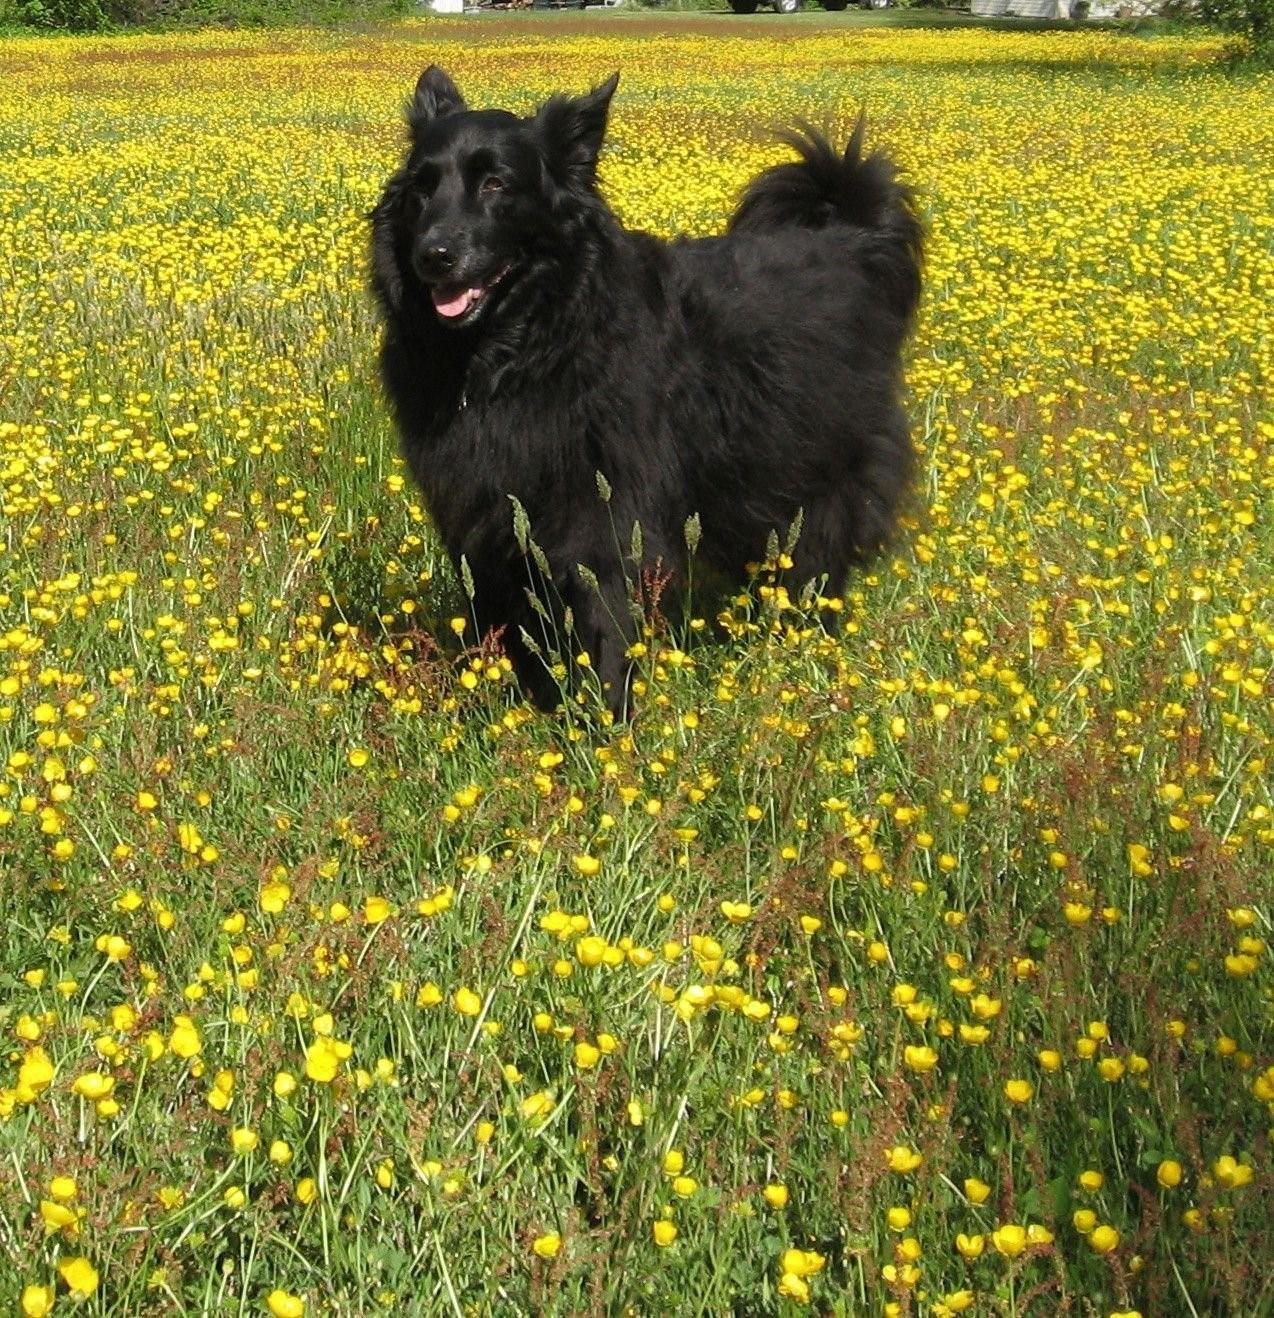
(455,304)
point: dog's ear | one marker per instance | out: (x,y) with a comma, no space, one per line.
(435,95)
(571,130)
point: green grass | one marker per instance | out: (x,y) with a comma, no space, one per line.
(250,775)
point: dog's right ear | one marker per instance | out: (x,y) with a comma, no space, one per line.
(571,130)
(435,96)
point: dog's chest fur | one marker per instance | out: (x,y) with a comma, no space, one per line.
(475,448)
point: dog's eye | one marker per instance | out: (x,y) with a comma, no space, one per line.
(492,184)
(425,182)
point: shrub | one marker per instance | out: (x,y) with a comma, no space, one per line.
(1251,19)
(97,15)
(65,15)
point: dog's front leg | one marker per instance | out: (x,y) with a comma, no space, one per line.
(501,611)
(605,628)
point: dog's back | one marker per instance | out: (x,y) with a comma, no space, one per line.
(798,315)
(861,195)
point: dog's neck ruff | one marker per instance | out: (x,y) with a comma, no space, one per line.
(532,335)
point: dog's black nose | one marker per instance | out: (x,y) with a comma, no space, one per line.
(437,258)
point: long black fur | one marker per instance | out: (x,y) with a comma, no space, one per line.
(750,378)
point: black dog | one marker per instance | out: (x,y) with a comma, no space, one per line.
(531,343)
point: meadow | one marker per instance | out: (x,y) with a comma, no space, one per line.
(916,964)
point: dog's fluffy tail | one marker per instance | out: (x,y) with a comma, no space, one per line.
(824,188)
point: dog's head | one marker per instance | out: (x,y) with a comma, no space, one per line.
(482,196)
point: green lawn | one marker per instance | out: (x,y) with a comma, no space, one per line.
(917,965)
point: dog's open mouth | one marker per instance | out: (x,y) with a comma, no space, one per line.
(460,304)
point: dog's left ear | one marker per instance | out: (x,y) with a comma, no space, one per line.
(435,95)
(571,130)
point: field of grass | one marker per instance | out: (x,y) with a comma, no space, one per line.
(916,967)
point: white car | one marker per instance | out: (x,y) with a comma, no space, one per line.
(782,6)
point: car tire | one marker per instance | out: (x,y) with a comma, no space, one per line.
(786,6)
